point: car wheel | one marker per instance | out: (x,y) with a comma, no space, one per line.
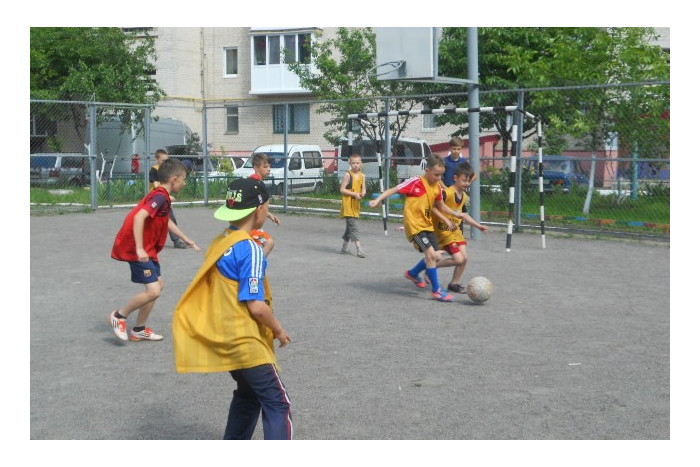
(318,186)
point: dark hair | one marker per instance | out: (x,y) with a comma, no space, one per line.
(260,158)
(161,152)
(169,168)
(464,168)
(457,141)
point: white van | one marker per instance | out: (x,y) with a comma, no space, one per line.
(304,168)
(121,151)
(409,157)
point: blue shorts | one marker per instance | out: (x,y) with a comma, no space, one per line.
(144,273)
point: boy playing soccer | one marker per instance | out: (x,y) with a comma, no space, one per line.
(224,320)
(353,189)
(261,168)
(422,195)
(140,239)
(453,241)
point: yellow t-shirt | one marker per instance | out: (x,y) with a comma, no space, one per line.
(351,206)
(420,197)
(444,234)
(212,330)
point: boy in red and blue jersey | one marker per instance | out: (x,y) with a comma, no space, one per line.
(142,236)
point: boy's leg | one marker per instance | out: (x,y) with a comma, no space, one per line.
(152,291)
(244,410)
(270,392)
(461,265)
(177,241)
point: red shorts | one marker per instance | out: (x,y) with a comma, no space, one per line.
(453,247)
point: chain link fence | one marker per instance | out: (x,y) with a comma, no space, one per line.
(611,178)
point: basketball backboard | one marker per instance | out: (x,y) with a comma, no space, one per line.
(406,53)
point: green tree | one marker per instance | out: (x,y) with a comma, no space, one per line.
(340,71)
(518,58)
(92,64)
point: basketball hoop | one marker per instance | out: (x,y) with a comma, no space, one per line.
(397,65)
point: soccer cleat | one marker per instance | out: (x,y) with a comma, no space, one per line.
(118,326)
(344,248)
(441,296)
(419,283)
(361,253)
(457,288)
(179,243)
(145,335)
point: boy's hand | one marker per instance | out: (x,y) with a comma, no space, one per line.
(373,203)
(141,253)
(283,338)
(483,228)
(193,245)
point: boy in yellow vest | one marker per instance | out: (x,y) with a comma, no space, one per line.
(353,189)
(423,200)
(453,241)
(224,320)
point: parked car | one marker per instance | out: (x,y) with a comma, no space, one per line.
(409,157)
(559,173)
(59,169)
(304,165)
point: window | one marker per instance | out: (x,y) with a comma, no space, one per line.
(295,162)
(259,43)
(312,159)
(230,61)
(232,120)
(287,48)
(274,43)
(299,118)
(290,48)
(304,48)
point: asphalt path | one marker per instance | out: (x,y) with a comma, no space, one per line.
(573,345)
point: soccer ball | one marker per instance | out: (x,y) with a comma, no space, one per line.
(479,289)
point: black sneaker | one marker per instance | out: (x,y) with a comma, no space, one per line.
(458,288)
(179,243)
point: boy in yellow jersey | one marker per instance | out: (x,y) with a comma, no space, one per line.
(453,241)
(423,200)
(224,321)
(353,189)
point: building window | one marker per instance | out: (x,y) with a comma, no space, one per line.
(274,44)
(276,49)
(299,118)
(232,120)
(230,61)
(260,46)
(428,120)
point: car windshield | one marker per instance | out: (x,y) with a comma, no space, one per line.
(276,160)
(559,166)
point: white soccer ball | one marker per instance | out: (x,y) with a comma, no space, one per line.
(479,289)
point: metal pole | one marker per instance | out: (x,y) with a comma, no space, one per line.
(205,148)
(285,158)
(518,161)
(474,134)
(146,148)
(92,151)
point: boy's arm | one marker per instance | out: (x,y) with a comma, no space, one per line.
(172,226)
(443,208)
(345,191)
(391,191)
(139,222)
(470,220)
(363,192)
(262,313)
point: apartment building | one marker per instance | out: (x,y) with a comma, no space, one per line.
(240,75)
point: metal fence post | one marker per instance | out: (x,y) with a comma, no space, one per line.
(92,152)
(474,133)
(518,160)
(205,148)
(146,150)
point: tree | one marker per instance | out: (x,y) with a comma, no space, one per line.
(338,72)
(519,58)
(92,64)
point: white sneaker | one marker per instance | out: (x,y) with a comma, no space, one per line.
(145,335)
(118,326)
